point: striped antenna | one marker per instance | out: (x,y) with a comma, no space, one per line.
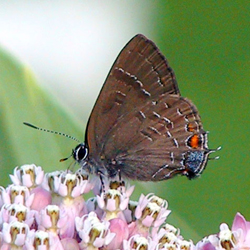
(51,131)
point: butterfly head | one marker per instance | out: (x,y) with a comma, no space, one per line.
(80,153)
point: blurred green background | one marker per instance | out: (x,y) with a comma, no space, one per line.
(205,42)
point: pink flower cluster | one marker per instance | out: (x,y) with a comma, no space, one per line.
(238,237)
(48,211)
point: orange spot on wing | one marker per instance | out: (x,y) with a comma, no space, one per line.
(191,127)
(194,141)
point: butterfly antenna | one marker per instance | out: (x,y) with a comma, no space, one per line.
(51,131)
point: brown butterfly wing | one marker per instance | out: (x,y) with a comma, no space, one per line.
(139,75)
(151,143)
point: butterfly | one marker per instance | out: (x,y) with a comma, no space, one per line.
(141,128)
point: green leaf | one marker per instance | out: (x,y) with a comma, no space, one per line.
(22,100)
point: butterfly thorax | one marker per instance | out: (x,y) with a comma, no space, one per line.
(93,165)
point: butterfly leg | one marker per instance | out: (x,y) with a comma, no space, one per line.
(102,181)
(120,175)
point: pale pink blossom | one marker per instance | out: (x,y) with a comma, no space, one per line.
(138,242)
(14,233)
(236,238)
(28,175)
(93,232)
(121,230)
(48,211)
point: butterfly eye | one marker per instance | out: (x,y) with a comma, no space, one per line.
(80,152)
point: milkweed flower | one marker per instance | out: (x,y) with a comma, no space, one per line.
(48,211)
(238,237)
